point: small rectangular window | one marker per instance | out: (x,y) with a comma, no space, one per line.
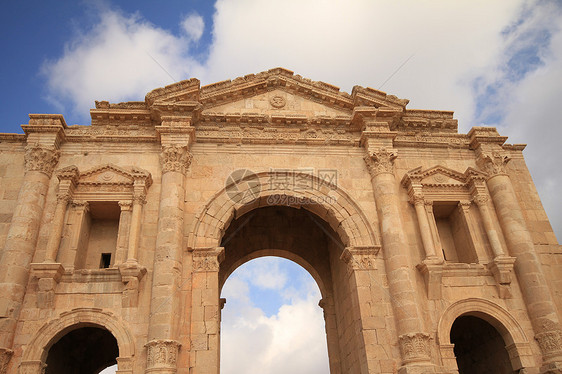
(105,260)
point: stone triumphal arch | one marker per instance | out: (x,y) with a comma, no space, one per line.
(430,247)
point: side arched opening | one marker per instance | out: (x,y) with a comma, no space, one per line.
(473,322)
(96,340)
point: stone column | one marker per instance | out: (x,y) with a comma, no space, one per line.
(165,302)
(413,341)
(139,199)
(540,305)
(123,234)
(205,311)
(425,231)
(19,248)
(67,182)
(482,203)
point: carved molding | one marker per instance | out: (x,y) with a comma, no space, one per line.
(550,342)
(380,161)
(175,158)
(162,354)
(208,259)
(41,159)
(493,163)
(414,347)
(360,258)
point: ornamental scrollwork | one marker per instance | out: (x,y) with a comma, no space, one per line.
(380,161)
(493,163)
(360,258)
(41,159)
(207,260)
(175,158)
(162,353)
(414,347)
(550,341)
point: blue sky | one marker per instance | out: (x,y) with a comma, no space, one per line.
(493,62)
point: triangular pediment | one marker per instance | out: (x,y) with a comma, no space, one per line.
(107,174)
(436,175)
(279,102)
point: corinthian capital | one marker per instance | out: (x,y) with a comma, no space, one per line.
(41,159)
(175,158)
(493,162)
(380,161)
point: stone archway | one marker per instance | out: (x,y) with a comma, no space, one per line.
(516,342)
(35,355)
(332,204)
(349,247)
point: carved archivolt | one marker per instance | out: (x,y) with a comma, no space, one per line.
(339,210)
(36,351)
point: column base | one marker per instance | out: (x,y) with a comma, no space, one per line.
(432,270)
(501,268)
(49,275)
(131,274)
(162,356)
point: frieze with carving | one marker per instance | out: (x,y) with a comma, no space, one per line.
(360,258)
(41,159)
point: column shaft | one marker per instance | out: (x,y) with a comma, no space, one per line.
(489,227)
(56,231)
(22,237)
(134,230)
(425,230)
(540,304)
(413,342)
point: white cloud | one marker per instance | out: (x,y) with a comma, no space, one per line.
(121,58)
(460,50)
(292,340)
(193,25)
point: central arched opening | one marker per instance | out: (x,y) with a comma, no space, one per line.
(84,350)
(272,322)
(296,234)
(479,347)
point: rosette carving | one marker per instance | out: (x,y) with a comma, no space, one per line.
(175,158)
(41,159)
(380,161)
(493,163)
